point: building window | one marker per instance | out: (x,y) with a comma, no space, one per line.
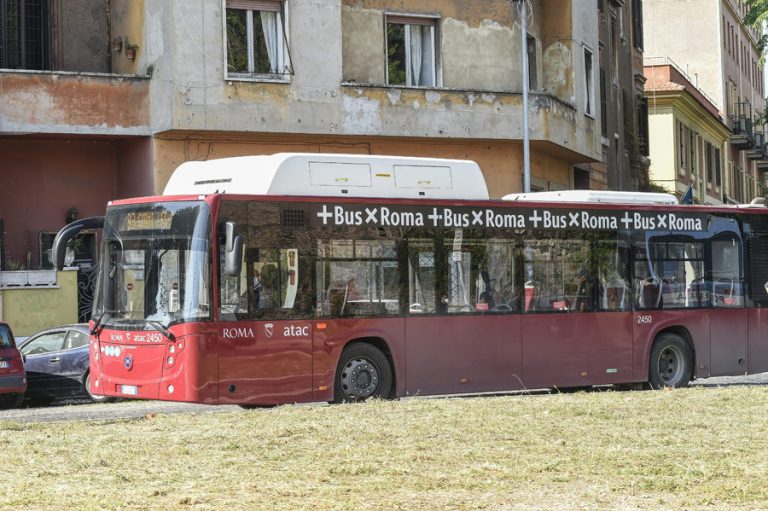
(681,147)
(589,106)
(642,125)
(692,147)
(637,23)
(257,46)
(718,178)
(708,163)
(25,34)
(603,104)
(411,56)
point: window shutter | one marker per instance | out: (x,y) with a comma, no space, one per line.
(256,5)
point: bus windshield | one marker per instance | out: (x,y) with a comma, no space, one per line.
(155,268)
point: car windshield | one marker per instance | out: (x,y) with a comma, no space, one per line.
(155,265)
(6,339)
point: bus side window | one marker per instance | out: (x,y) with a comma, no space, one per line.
(727,288)
(357,277)
(647,285)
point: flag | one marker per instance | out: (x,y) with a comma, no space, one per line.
(688,195)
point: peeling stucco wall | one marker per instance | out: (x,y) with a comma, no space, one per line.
(127,23)
(363,45)
(479,97)
(559,70)
(483,57)
(39,102)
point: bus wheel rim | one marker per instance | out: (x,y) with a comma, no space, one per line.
(360,378)
(671,365)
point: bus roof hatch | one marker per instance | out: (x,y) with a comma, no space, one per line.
(340,175)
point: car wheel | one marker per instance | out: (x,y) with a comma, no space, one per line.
(12,401)
(94,397)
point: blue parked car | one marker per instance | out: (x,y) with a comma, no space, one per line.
(57,361)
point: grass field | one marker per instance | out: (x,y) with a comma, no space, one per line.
(699,448)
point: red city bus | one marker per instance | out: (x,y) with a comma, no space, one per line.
(294,278)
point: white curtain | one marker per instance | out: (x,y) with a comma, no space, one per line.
(416,50)
(427,57)
(269,26)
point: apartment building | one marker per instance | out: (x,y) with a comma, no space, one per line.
(707,42)
(623,116)
(103,99)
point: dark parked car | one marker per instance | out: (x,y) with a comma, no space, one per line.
(58,362)
(13,379)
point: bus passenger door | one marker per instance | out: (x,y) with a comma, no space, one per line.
(728,317)
(462,330)
(265,332)
(577,326)
(757,315)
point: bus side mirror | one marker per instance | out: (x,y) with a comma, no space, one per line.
(233,251)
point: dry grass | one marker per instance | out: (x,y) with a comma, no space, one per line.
(684,449)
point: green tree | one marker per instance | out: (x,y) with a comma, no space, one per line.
(757,15)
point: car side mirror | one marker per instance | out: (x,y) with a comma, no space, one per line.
(233,251)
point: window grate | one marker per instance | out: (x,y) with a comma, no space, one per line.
(25,34)
(293,218)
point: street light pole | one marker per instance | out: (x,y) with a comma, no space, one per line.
(526,141)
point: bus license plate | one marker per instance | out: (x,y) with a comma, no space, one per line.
(129,390)
(4,364)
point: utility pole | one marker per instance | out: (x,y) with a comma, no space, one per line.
(524,51)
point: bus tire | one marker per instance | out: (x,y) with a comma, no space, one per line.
(93,397)
(671,363)
(363,372)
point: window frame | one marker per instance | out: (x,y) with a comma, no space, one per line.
(407,20)
(589,82)
(285,61)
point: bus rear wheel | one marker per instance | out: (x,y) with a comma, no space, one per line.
(671,362)
(363,372)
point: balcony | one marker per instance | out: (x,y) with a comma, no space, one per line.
(759,151)
(63,72)
(742,135)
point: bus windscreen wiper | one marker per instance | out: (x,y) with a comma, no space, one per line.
(160,328)
(98,321)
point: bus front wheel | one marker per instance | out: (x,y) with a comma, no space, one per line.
(671,362)
(363,372)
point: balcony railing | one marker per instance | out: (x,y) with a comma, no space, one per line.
(742,131)
(759,151)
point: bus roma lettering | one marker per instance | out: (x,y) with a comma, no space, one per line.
(512,218)
(382,216)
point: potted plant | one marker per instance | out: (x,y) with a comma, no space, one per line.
(130,50)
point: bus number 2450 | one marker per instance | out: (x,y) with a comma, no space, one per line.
(644,319)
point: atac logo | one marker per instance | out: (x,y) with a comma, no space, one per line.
(268,329)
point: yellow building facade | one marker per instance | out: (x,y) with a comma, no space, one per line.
(687,137)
